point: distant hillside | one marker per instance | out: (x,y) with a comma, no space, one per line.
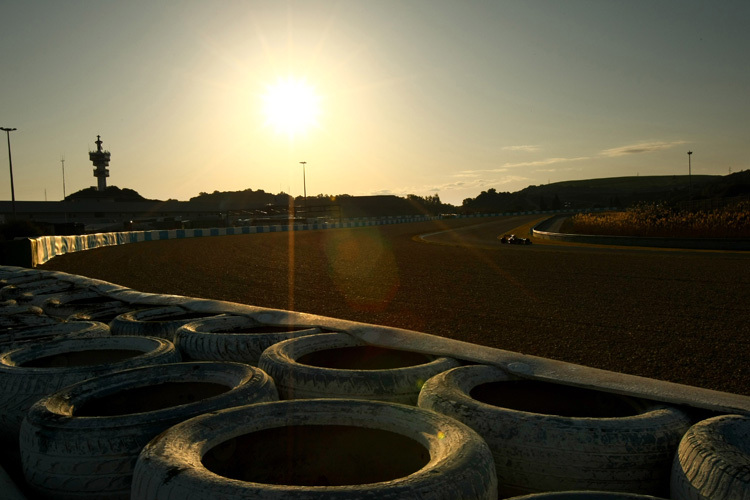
(612,192)
(620,192)
(111,193)
(389,205)
(247,199)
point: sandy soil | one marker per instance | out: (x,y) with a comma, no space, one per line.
(671,315)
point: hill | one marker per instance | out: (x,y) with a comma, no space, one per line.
(111,193)
(616,192)
(613,192)
(247,198)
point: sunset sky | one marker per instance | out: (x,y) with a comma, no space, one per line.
(399,97)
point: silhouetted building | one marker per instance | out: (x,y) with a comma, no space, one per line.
(100,159)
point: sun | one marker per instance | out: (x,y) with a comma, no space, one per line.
(291,106)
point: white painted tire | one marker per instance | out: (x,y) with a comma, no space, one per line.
(23,276)
(19,337)
(36,292)
(233,338)
(79,301)
(317,449)
(160,322)
(106,314)
(83,441)
(13,315)
(713,460)
(16,287)
(334,365)
(11,307)
(29,373)
(550,437)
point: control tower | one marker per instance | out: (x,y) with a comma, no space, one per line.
(100,159)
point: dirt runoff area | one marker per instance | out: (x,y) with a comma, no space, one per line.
(673,315)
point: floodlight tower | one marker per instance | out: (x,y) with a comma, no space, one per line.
(304,187)
(690,181)
(7,131)
(100,159)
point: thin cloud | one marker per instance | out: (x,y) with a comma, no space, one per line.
(467,173)
(479,183)
(526,148)
(383,192)
(642,147)
(545,162)
(537,163)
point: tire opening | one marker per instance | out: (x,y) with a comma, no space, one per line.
(363,358)
(82,358)
(149,398)
(554,399)
(317,455)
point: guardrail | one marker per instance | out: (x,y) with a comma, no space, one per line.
(732,244)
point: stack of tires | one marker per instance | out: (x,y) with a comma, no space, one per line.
(83,399)
(336,365)
(337,432)
(160,401)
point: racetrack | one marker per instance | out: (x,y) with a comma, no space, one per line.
(673,315)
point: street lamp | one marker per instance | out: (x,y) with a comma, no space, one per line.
(10,162)
(690,182)
(304,187)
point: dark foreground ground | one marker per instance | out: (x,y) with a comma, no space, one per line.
(671,315)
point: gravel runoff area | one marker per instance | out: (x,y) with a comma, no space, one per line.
(682,316)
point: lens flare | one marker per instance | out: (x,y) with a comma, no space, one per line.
(363,268)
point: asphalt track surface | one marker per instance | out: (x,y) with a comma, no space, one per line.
(681,316)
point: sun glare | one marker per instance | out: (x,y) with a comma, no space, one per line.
(291,106)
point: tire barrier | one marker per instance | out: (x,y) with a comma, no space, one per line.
(21,275)
(161,322)
(83,441)
(10,283)
(14,316)
(105,314)
(26,292)
(550,437)
(713,460)
(233,338)
(317,449)
(79,302)
(19,337)
(29,373)
(35,376)
(335,365)
(585,495)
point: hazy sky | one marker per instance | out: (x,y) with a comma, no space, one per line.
(422,97)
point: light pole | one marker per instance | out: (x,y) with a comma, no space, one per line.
(62,160)
(304,187)
(690,182)
(10,162)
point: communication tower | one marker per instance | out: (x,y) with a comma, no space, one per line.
(100,159)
